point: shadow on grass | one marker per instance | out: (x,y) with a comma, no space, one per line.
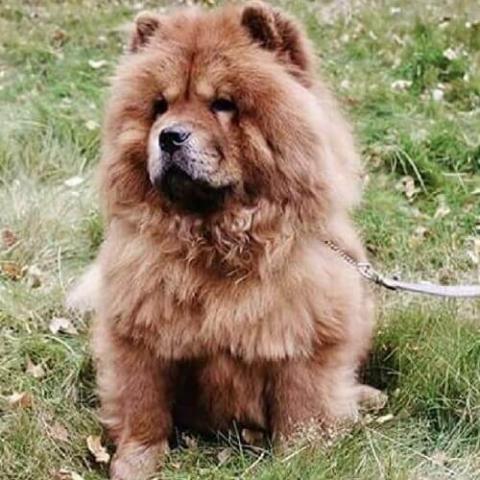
(382,368)
(86,386)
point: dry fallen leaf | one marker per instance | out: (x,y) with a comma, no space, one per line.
(65,474)
(190,442)
(73,181)
(91,125)
(58,432)
(474,254)
(437,94)
(419,234)
(11,270)
(385,418)
(20,400)
(95,447)
(59,36)
(439,457)
(34,276)
(224,454)
(451,54)
(252,437)
(401,85)
(96,64)
(407,186)
(63,325)
(9,239)
(442,211)
(476,247)
(36,371)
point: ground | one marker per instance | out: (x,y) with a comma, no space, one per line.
(408,74)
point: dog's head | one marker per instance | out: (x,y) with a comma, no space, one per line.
(214,112)
(213,102)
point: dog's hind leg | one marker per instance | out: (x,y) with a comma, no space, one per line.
(136,393)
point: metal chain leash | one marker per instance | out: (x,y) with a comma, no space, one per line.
(366,270)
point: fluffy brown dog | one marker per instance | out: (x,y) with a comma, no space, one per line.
(225,166)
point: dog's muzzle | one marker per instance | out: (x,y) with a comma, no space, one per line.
(183,178)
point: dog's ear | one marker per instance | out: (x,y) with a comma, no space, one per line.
(259,19)
(146,25)
(274,30)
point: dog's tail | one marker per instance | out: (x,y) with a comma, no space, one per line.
(84,295)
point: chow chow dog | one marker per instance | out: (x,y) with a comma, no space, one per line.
(226,165)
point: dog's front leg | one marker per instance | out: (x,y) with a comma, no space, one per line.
(311,396)
(142,402)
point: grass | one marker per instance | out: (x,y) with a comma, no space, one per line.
(426,353)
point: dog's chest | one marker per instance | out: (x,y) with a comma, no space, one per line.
(254,323)
(185,312)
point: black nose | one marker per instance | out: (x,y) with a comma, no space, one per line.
(173,137)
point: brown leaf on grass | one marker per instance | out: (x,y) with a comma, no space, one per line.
(95,447)
(474,254)
(92,125)
(9,239)
(73,182)
(53,428)
(34,276)
(59,37)
(190,442)
(439,457)
(420,233)
(438,94)
(442,211)
(58,432)
(76,476)
(36,371)
(407,186)
(20,400)
(401,85)
(11,270)
(62,325)
(476,247)
(224,454)
(452,53)
(96,64)
(385,418)
(65,474)
(252,437)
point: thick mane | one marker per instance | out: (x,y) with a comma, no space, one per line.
(301,161)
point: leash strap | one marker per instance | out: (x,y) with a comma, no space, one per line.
(426,288)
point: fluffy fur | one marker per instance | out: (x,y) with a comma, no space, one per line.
(241,314)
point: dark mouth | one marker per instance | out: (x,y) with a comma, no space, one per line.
(194,196)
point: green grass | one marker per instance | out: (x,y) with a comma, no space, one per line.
(426,353)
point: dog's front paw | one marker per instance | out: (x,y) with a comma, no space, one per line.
(134,461)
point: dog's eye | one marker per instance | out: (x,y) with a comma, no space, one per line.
(223,105)
(160,106)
